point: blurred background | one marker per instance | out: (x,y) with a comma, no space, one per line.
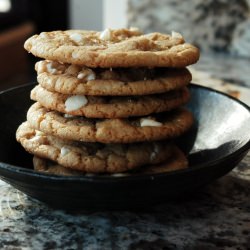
(220,28)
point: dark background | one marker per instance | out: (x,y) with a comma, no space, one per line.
(25,18)
(45,14)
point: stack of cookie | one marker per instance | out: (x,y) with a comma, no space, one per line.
(108,102)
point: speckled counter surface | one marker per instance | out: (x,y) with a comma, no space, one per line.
(225,67)
(215,217)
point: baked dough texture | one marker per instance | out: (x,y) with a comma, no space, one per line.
(120,48)
(173,124)
(112,106)
(176,161)
(81,80)
(92,157)
(109,102)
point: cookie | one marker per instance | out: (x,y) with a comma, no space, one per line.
(49,167)
(109,106)
(176,161)
(149,128)
(113,48)
(91,157)
(79,80)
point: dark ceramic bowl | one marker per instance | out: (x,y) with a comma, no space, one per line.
(218,141)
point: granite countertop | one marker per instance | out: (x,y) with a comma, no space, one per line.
(215,217)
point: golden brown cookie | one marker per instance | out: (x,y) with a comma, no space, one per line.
(176,161)
(113,48)
(49,167)
(150,128)
(91,157)
(78,80)
(109,106)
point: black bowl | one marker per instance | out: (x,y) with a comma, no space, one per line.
(218,141)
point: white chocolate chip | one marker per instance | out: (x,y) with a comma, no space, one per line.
(76,37)
(75,102)
(81,75)
(74,54)
(106,35)
(176,35)
(135,29)
(43,35)
(88,74)
(152,156)
(49,81)
(155,152)
(50,68)
(36,138)
(64,151)
(149,122)
(90,77)
(39,133)
(68,116)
